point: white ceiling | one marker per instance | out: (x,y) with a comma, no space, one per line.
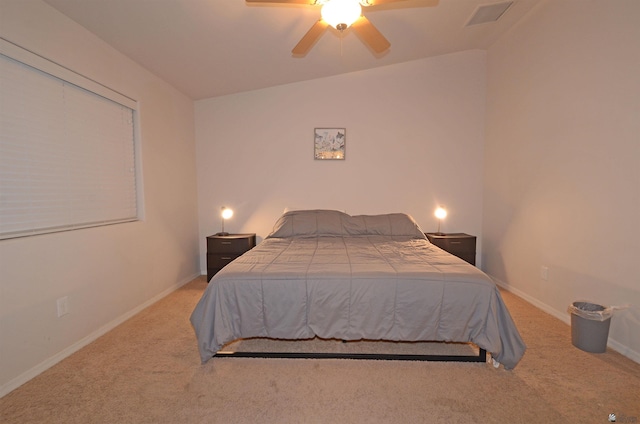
(208,48)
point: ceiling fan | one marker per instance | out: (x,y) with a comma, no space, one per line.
(342,14)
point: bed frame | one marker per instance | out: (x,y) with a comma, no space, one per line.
(480,357)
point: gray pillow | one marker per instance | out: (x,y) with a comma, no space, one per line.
(392,224)
(309,223)
(320,222)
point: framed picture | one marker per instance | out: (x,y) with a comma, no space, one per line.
(329,143)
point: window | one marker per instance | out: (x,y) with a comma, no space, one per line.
(67,149)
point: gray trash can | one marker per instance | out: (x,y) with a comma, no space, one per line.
(590,326)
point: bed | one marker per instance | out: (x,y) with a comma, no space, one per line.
(327,274)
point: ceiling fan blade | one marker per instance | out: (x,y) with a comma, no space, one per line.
(310,38)
(308,2)
(423,3)
(371,35)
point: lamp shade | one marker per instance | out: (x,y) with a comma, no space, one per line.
(226,213)
(340,14)
(441,212)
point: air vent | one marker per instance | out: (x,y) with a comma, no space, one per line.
(489,13)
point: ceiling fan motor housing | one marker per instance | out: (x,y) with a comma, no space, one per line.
(340,14)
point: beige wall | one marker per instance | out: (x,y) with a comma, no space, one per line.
(106,272)
(414,140)
(562,160)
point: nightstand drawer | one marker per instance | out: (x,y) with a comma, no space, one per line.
(461,245)
(230,244)
(466,256)
(220,260)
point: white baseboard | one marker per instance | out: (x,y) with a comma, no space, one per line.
(48,363)
(562,316)
(566,318)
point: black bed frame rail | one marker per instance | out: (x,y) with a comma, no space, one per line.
(481,357)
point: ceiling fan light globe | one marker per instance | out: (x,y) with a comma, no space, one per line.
(340,14)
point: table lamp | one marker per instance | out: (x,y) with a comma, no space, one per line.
(441,213)
(226,214)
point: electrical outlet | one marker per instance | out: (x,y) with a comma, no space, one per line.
(544,273)
(63,306)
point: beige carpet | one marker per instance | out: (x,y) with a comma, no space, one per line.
(148,371)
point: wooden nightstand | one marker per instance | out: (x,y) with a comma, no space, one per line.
(459,244)
(223,249)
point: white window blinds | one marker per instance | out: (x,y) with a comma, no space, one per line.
(67,153)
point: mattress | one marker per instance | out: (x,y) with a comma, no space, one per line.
(330,275)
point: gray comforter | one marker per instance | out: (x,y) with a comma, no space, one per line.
(327,274)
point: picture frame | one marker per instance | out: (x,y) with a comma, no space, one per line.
(329,143)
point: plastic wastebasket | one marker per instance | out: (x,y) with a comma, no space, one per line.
(590,326)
